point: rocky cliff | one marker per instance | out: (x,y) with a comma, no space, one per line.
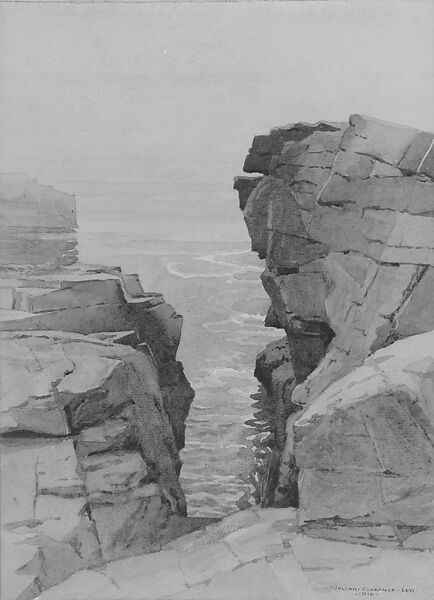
(93,403)
(343,214)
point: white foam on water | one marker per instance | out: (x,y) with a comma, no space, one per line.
(185,271)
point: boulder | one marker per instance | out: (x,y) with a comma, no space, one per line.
(265,147)
(244,187)
(373,431)
(89,461)
(106,303)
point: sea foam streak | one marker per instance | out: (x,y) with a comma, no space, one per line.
(227,269)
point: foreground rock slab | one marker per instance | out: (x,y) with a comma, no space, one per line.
(255,555)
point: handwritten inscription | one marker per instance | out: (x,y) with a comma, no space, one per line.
(372,591)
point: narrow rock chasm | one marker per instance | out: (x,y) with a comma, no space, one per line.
(94,400)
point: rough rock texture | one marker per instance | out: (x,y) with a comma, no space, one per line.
(92,412)
(263,555)
(102,300)
(372,431)
(90,464)
(344,216)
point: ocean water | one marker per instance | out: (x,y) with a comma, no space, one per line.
(199,257)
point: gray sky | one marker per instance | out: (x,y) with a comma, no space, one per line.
(147,91)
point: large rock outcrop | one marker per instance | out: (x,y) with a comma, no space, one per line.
(102,301)
(344,216)
(92,412)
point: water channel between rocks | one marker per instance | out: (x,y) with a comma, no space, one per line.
(215,285)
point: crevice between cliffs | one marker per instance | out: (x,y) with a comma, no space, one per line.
(94,400)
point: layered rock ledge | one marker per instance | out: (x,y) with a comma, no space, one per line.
(343,214)
(93,402)
(262,555)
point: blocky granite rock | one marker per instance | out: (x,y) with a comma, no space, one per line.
(93,402)
(103,301)
(26,203)
(344,216)
(88,445)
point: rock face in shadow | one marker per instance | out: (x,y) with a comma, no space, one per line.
(93,407)
(344,217)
